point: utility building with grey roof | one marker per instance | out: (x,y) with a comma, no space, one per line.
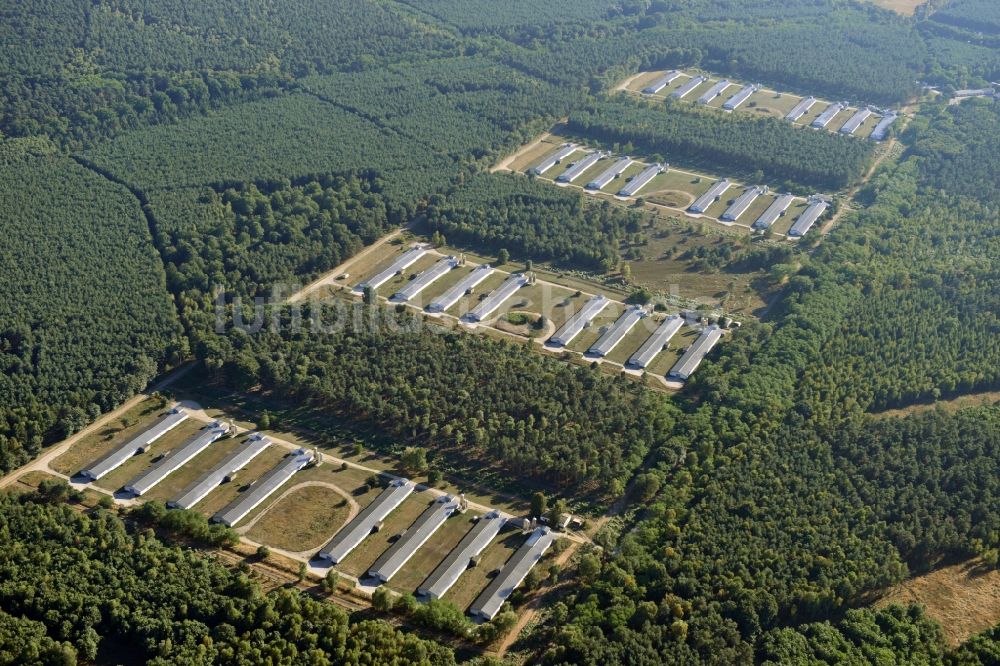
(263,488)
(618,330)
(416,535)
(578,321)
(696,353)
(488,604)
(472,544)
(212,479)
(400,264)
(171,462)
(356,531)
(773,212)
(450,297)
(655,343)
(497,297)
(708,198)
(136,445)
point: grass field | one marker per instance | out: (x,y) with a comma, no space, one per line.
(359,560)
(475,579)
(304,519)
(433,552)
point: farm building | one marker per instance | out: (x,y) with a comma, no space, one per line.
(640,181)
(610,174)
(513,573)
(263,488)
(497,297)
(693,357)
(817,206)
(739,98)
(742,203)
(555,158)
(708,198)
(356,531)
(976,92)
(416,535)
(801,109)
(425,279)
(881,130)
(450,297)
(713,92)
(686,89)
(856,121)
(773,212)
(211,480)
(661,83)
(824,118)
(578,321)
(175,459)
(577,169)
(655,343)
(401,263)
(472,544)
(618,330)
(135,446)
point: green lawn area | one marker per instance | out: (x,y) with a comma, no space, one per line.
(618,183)
(544,298)
(564,165)
(444,283)
(675,348)
(785,222)
(467,303)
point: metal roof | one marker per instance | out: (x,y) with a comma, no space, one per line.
(661,83)
(637,183)
(774,211)
(654,344)
(743,202)
(175,459)
(801,109)
(472,544)
(743,95)
(882,129)
(263,488)
(513,573)
(808,218)
(824,118)
(450,297)
(497,297)
(579,167)
(356,531)
(708,198)
(416,535)
(713,92)
(401,263)
(136,445)
(578,321)
(564,151)
(618,330)
(610,174)
(211,480)
(855,121)
(693,357)
(686,89)
(425,279)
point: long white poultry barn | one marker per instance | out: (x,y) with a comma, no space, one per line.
(577,169)
(739,98)
(578,321)
(135,446)
(610,174)
(856,121)
(416,535)
(637,183)
(824,118)
(175,459)
(808,218)
(401,263)
(472,544)
(513,573)
(696,353)
(801,109)
(773,212)
(618,330)
(686,89)
(212,479)
(713,92)
(708,198)
(470,281)
(356,531)
(425,279)
(555,158)
(881,130)
(661,83)
(742,203)
(497,297)
(655,343)
(263,488)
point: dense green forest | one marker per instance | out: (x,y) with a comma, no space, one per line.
(469,399)
(727,144)
(533,220)
(978,15)
(100,591)
(85,320)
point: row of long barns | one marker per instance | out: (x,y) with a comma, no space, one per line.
(632,187)
(492,301)
(737,95)
(367,522)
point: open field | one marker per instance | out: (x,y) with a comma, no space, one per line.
(949,405)
(964,598)
(432,553)
(302,520)
(904,7)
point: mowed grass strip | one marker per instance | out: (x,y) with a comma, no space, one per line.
(433,552)
(361,558)
(94,446)
(304,519)
(476,578)
(138,464)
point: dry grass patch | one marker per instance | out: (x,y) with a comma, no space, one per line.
(361,558)
(433,552)
(474,580)
(304,519)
